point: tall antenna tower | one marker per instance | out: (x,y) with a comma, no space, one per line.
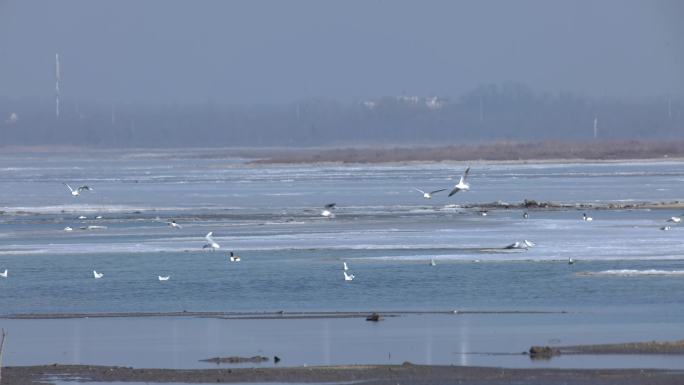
(481,109)
(58,78)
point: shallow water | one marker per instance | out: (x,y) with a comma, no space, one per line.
(627,271)
(439,339)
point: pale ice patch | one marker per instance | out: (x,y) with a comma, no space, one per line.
(632,273)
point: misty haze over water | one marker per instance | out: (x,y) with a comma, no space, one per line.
(307,73)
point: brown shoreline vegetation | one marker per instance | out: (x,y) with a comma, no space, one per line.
(639,348)
(406,373)
(492,151)
(650,347)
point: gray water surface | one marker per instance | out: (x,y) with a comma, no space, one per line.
(627,283)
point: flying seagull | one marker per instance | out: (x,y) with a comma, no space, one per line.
(428,195)
(344,265)
(210,242)
(78,190)
(164,278)
(4,274)
(97,275)
(462,185)
(175,225)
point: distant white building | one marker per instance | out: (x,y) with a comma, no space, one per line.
(434,103)
(408,99)
(13,118)
(371,105)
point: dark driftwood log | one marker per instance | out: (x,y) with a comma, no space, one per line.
(235,360)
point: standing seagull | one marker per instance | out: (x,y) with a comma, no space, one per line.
(210,242)
(4,274)
(462,185)
(428,195)
(175,225)
(78,190)
(97,275)
(326,210)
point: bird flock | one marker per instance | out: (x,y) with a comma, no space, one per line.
(328,212)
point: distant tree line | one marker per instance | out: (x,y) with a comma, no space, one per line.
(491,112)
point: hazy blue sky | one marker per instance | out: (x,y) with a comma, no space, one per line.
(273,51)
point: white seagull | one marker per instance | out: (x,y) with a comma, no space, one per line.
(175,225)
(4,274)
(68,229)
(432,262)
(164,278)
(462,185)
(344,265)
(97,275)
(675,219)
(570,261)
(210,242)
(234,257)
(516,245)
(526,215)
(586,218)
(525,244)
(348,277)
(327,210)
(78,190)
(428,195)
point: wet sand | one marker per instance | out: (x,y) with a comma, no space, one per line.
(375,374)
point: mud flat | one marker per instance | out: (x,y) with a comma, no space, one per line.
(363,374)
(531,204)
